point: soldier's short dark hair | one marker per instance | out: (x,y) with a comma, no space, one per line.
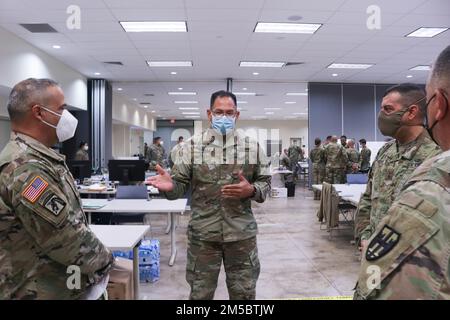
(441,68)
(82,143)
(410,94)
(222,94)
(180,138)
(344,136)
(317,141)
(156,139)
(363,141)
(27,93)
(329,138)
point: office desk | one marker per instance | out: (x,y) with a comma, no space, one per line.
(140,206)
(123,238)
(347,192)
(278,179)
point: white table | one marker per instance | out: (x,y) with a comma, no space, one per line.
(348,192)
(142,206)
(123,238)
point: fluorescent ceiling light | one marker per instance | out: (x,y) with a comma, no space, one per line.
(409,76)
(119,89)
(185,102)
(169,63)
(187,108)
(242,102)
(154,26)
(308,28)
(334,74)
(190,113)
(421,68)
(180,88)
(192,117)
(262,64)
(272,108)
(153,111)
(297,94)
(56,47)
(270,113)
(97,73)
(426,32)
(299,114)
(290,102)
(173,73)
(182,93)
(349,66)
(245,89)
(256,73)
(244,93)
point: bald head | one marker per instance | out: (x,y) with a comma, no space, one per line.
(351,143)
(334,139)
(27,93)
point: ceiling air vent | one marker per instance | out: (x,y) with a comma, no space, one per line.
(149,95)
(38,27)
(116,63)
(288,64)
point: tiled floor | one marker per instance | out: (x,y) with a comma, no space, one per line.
(297,259)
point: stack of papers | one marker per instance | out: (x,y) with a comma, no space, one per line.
(97,187)
(93,205)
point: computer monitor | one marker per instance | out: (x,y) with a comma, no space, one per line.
(80,169)
(125,171)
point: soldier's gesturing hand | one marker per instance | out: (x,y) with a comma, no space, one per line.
(163,181)
(241,190)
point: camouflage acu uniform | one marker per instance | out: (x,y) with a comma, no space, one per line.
(43,228)
(353,158)
(285,162)
(82,155)
(294,154)
(364,159)
(411,246)
(336,163)
(157,154)
(317,156)
(392,167)
(221,228)
(176,152)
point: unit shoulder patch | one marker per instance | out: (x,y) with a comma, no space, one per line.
(54,204)
(383,243)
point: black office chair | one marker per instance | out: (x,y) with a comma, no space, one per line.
(130,192)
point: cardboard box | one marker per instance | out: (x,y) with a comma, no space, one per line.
(120,285)
(278,192)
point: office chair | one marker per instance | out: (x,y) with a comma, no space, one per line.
(130,192)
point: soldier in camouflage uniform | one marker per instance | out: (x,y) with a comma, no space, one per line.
(286,162)
(226,170)
(294,154)
(410,247)
(157,154)
(397,159)
(43,229)
(336,162)
(353,157)
(364,157)
(317,157)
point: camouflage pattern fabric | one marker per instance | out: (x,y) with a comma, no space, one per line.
(43,228)
(364,159)
(353,158)
(411,245)
(317,157)
(240,259)
(336,163)
(81,155)
(157,154)
(392,167)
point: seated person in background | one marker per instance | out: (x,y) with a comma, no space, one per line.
(82,153)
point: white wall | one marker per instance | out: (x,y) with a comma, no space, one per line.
(121,140)
(5,132)
(130,113)
(19,60)
(3,110)
(286,129)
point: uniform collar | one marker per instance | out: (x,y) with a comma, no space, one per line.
(37,146)
(409,150)
(211,136)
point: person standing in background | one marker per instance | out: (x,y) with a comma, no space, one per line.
(157,154)
(317,157)
(353,157)
(294,154)
(364,157)
(336,162)
(344,141)
(82,152)
(176,152)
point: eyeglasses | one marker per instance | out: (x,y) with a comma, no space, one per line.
(220,113)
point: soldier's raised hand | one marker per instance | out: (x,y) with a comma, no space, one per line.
(163,181)
(241,190)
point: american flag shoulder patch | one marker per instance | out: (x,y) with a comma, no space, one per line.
(35,189)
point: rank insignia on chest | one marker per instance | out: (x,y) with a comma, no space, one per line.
(54,204)
(383,243)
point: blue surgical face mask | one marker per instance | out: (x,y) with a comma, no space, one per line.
(223,124)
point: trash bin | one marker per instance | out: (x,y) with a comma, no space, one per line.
(290,186)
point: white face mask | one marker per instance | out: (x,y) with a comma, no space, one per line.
(67,124)
(161,143)
(86,148)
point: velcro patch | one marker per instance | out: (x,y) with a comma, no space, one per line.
(411,200)
(54,204)
(383,242)
(35,189)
